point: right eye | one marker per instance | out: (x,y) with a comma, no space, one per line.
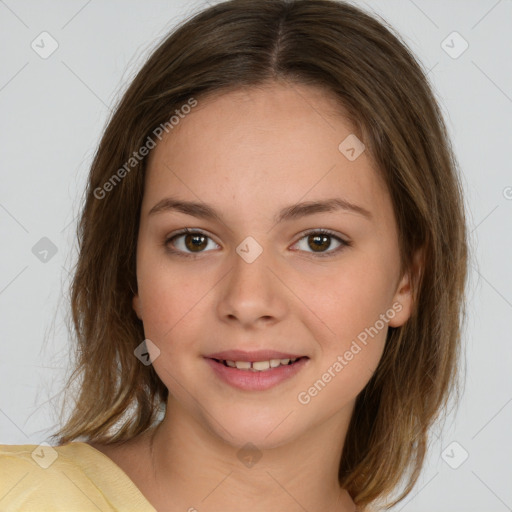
(188,242)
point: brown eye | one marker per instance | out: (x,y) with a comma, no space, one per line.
(197,241)
(319,242)
(187,243)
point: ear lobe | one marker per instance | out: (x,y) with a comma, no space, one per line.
(403,300)
(136,306)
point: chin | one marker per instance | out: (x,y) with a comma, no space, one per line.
(263,429)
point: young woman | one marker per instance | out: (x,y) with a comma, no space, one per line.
(270,286)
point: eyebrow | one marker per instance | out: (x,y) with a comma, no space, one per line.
(288,213)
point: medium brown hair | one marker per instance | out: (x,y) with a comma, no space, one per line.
(388,100)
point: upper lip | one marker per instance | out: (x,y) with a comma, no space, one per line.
(257,355)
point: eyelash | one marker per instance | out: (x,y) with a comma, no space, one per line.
(186,231)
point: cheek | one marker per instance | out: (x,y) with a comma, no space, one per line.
(348,326)
(165,296)
(171,316)
(167,305)
(349,359)
(340,382)
(349,301)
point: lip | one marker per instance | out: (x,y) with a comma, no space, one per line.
(249,380)
(256,355)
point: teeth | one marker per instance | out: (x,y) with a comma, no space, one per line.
(243,365)
(259,366)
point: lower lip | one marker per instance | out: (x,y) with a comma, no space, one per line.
(256,381)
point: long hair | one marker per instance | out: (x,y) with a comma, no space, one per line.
(387,98)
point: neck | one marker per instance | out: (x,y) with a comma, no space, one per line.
(202,471)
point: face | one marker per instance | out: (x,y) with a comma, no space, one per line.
(263,267)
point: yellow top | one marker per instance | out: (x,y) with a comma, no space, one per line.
(73,477)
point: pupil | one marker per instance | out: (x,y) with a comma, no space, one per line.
(195,244)
(319,242)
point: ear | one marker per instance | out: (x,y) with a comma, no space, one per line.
(403,300)
(136,306)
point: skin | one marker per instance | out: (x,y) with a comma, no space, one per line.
(249,153)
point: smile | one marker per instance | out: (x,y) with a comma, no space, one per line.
(256,375)
(257,366)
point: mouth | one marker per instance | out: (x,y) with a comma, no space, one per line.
(249,372)
(259,366)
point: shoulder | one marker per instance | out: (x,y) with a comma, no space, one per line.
(17,462)
(74,476)
(43,477)
(48,461)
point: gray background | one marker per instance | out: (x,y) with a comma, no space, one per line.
(53,112)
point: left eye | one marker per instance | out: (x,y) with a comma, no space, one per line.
(320,241)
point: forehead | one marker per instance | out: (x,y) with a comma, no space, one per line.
(275,143)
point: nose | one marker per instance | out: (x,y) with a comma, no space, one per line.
(251,294)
